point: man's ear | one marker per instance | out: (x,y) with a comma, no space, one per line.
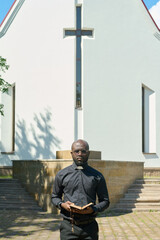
(88,153)
(72,154)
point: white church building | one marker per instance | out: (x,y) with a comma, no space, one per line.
(87,69)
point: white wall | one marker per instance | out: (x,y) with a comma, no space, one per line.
(123,55)
(42,65)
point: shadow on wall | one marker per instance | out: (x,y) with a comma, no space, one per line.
(4,159)
(38,141)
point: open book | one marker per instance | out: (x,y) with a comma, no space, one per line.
(73,206)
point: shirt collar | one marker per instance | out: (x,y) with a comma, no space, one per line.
(79,167)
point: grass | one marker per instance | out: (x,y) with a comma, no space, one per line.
(7,176)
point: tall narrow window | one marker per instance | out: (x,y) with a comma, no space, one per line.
(148,121)
(8,121)
(79,33)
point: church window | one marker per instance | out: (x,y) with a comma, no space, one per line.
(148,121)
(79,32)
(8,121)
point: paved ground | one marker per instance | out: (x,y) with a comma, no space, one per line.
(32,225)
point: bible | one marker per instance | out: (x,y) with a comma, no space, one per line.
(73,206)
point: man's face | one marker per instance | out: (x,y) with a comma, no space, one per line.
(80,153)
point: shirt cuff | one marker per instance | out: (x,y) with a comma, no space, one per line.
(59,205)
(94,209)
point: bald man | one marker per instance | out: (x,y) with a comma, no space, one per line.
(79,184)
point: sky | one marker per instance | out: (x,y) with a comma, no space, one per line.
(154,9)
(4,8)
(150,3)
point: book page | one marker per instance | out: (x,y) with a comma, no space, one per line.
(80,208)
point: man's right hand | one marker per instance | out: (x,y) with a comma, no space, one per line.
(66,205)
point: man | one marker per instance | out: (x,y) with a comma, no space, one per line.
(79,184)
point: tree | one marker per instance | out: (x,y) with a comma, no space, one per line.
(4,85)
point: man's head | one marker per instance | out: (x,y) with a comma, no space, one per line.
(80,152)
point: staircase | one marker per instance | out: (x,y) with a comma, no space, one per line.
(14,197)
(143,195)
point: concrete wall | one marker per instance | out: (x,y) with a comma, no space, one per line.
(38,177)
(6,171)
(150,172)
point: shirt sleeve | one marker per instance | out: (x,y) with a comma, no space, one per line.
(103,197)
(57,191)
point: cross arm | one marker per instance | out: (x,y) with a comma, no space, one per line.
(70,32)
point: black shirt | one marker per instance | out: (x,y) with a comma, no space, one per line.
(80,187)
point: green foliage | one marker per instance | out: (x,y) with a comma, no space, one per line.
(3,84)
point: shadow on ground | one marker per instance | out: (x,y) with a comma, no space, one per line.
(112,213)
(27,223)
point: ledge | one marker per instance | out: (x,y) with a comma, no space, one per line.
(7,152)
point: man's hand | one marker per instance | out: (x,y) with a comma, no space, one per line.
(87,210)
(66,205)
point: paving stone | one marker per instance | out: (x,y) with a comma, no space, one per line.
(32,225)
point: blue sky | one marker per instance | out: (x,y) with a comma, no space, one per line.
(150,3)
(155,13)
(4,8)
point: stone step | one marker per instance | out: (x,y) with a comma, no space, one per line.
(148,181)
(139,190)
(14,197)
(134,210)
(143,195)
(11,187)
(149,197)
(8,180)
(19,207)
(17,201)
(10,184)
(142,199)
(145,185)
(139,205)
(13,191)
